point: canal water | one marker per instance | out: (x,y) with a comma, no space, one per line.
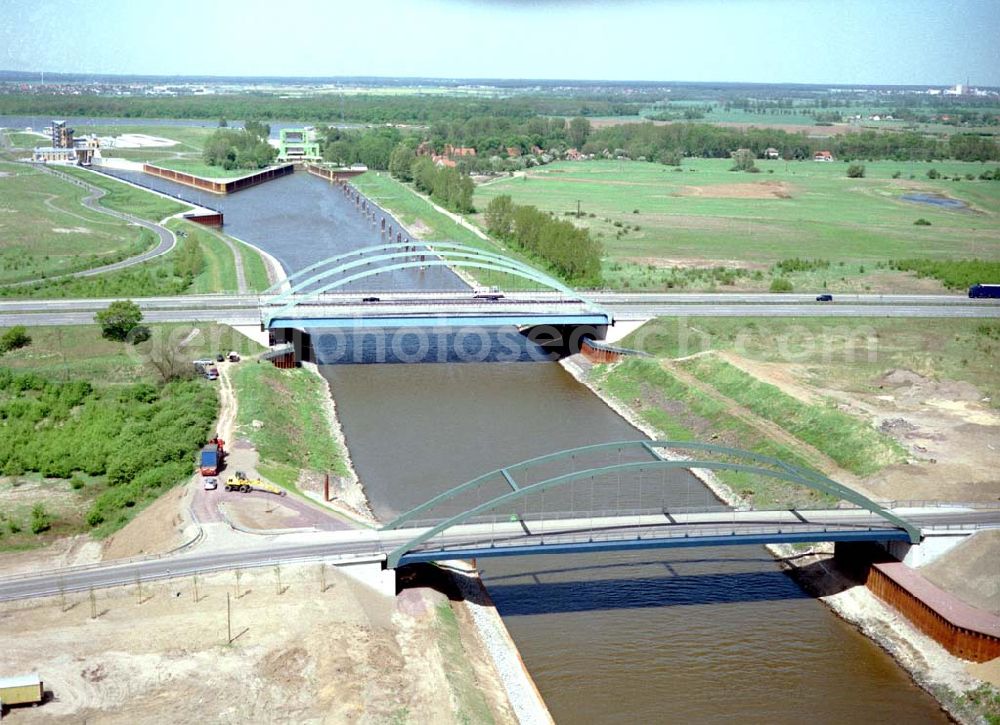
(702,635)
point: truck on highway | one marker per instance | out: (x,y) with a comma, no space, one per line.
(985,291)
(212,456)
(241,483)
(21,690)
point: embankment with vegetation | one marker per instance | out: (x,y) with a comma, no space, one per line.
(294,434)
(89,431)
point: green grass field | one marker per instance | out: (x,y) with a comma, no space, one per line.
(188,138)
(46,231)
(129,199)
(706,214)
(78,352)
(23,140)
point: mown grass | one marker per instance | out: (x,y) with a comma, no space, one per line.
(188,138)
(129,199)
(23,140)
(850,354)
(850,442)
(254,268)
(295,433)
(78,352)
(197,167)
(809,209)
(682,413)
(45,231)
(157,277)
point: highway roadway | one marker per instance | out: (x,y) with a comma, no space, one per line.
(371,545)
(243,309)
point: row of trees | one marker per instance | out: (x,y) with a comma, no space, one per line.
(570,251)
(448,186)
(654,143)
(240,149)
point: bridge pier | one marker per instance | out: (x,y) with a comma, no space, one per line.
(300,341)
(564,340)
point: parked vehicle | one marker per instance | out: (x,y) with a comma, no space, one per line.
(824,298)
(220,358)
(212,374)
(201,366)
(985,291)
(212,456)
(210,483)
(370,299)
(234,356)
(241,483)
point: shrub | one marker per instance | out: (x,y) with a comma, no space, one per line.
(76,483)
(856,171)
(933,174)
(119,319)
(921,222)
(40,519)
(896,174)
(781,284)
(16,337)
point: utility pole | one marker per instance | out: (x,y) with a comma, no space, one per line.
(93,604)
(277,573)
(238,574)
(577,208)
(229,620)
(195,588)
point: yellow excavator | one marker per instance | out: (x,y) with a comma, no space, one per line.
(241,483)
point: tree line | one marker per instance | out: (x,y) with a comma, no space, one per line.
(663,143)
(567,249)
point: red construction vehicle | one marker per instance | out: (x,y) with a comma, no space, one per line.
(211,457)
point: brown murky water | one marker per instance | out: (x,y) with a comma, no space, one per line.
(696,635)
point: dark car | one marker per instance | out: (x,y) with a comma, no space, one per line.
(370,299)
(824,298)
(220,358)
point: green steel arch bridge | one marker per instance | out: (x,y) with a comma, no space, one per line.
(343,292)
(641,503)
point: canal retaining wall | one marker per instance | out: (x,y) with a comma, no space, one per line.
(219,186)
(332,174)
(963,630)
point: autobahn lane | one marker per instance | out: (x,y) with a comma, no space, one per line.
(243,309)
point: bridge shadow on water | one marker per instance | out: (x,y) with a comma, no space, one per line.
(588,588)
(426,345)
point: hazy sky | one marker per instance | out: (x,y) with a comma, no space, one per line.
(794,41)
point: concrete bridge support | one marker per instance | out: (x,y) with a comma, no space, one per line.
(300,341)
(564,340)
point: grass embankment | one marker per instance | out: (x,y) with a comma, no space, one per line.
(129,199)
(850,442)
(295,435)
(91,436)
(46,231)
(197,167)
(846,354)
(653,218)
(190,139)
(682,413)
(21,140)
(201,263)
(428,224)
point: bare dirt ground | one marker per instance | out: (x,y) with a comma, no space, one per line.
(159,528)
(960,571)
(755,190)
(952,434)
(344,654)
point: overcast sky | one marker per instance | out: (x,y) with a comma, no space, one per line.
(779,41)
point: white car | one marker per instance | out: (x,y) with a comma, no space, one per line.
(211,483)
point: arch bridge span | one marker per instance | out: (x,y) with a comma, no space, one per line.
(344,292)
(513,520)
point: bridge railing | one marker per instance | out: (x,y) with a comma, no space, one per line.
(715,531)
